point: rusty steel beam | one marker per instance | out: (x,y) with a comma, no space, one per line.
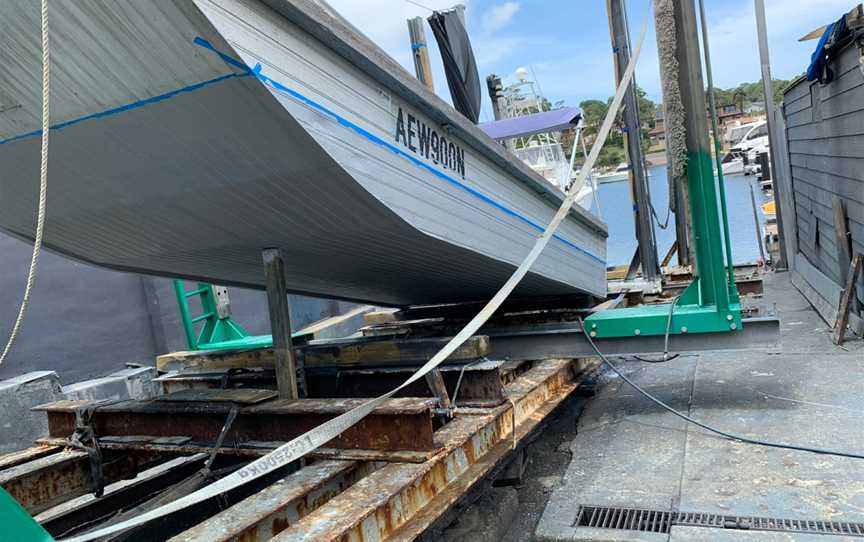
(399,424)
(482,382)
(745,285)
(88,509)
(48,481)
(398,501)
(251,449)
(29,454)
(273,509)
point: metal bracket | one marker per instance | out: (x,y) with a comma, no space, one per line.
(688,316)
(219,330)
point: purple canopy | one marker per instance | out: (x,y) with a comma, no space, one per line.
(549,121)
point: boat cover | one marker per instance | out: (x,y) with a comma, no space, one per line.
(538,123)
(459,64)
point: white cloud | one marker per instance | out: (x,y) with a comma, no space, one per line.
(497,17)
(384,22)
(734,45)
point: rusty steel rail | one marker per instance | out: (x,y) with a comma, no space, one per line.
(51,480)
(335,500)
(382,494)
(88,509)
(273,509)
(399,424)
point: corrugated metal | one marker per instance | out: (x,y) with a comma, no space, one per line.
(168,159)
(825,136)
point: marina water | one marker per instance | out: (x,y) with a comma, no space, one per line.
(616,210)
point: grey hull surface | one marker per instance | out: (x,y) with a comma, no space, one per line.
(188,136)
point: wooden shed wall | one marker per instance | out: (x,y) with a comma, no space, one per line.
(825,139)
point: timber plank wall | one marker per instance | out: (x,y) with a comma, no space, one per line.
(825,139)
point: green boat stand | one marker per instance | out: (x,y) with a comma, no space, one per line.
(219,331)
(710,304)
(17,523)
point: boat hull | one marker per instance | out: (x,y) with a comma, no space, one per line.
(247,132)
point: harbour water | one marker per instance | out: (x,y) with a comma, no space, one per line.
(616,210)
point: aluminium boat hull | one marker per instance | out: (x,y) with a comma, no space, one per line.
(188,136)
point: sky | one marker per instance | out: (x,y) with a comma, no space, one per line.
(565,43)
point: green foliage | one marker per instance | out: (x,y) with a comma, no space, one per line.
(747,93)
(647,108)
(613,153)
(610,156)
(593,112)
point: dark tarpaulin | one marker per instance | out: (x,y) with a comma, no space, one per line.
(459,64)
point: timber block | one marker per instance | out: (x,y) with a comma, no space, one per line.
(352,352)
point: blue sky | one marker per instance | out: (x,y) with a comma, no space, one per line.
(566,42)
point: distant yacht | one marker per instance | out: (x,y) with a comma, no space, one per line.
(619,174)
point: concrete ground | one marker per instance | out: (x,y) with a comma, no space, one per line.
(631,453)
(618,449)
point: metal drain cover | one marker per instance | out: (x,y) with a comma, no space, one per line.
(662,521)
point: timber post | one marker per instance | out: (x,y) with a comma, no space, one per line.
(280,323)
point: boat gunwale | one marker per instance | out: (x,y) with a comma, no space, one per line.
(372,60)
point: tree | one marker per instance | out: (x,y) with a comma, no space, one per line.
(747,93)
(593,113)
(647,108)
(610,156)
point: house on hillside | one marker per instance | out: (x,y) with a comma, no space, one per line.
(657,135)
(727,114)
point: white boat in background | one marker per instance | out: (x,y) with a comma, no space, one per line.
(533,135)
(732,165)
(200,132)
(750,139)
(620,173)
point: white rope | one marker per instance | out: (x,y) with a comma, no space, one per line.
(43,188)
(305,443)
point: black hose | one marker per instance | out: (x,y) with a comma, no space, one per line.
(666,357)
(725,434)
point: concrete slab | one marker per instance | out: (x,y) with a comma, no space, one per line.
(133,383)
(107,387)
(701,534)
(795,398)
(20,426)
(139,382)
(630,453)
(627,453)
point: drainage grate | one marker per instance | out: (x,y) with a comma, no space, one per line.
(629,519)
(659,521)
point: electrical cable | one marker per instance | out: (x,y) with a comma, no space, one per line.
(660,224)
(459,380)
(43,188)
(665,338)
(724,434)
(665,223)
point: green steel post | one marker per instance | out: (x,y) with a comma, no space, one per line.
(712,281)
(710,303)
(727,239)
